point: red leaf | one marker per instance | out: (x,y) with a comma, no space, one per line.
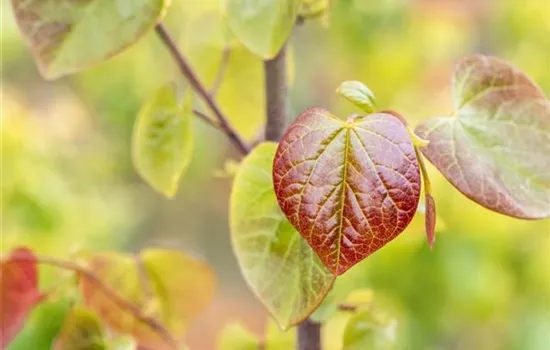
(18,292)
(348,187)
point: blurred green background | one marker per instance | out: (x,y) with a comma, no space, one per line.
(68,183)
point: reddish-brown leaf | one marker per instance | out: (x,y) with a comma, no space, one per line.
(495,149)
(348,187)
(430,219)
(18,292)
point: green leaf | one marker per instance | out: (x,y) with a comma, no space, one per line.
(235,336)
(278,265)
(82,330)
(359,94)
(162,142)
(348,187)
(262,26)
(163,285)
(43,326)
(370,330)
(67,36)
(496,148)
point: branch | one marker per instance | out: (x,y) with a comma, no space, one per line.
(199,88)
(276,91)
(309,335)
(120,301)
(206,119)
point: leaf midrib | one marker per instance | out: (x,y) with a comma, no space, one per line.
(342,198)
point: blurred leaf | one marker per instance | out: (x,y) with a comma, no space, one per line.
(348,187)
(43,326)
(278,265)
(496,149)
(370,330)
(162,142)
(164,285)
(359,94)
(18,292)
(361,298)
(262,26)
(240,90)
(276,339)
(235,336)
(82,330)
(230,168)
(67,36)
(314,8)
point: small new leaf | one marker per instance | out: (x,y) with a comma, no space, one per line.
(162,143)
(18,292)
(496,148)
(357,93)
(66,36)
(81,330)
(278,265)
(262,26)
(349,187)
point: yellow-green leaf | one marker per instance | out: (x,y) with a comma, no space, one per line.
(81,330)
(262,26)
(66,36)
(236,337)
(357,93)
(278,265)
(370,330)
(162,142)
(166,286)
(227,67)
(276,339)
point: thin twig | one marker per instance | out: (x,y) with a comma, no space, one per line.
(347,307)
(199,88)
(206,119)
(111,294)
(221,71)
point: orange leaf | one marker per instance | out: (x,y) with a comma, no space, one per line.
(148,296)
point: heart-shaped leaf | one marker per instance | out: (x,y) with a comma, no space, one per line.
(81,330)
(18,292)
(262,26)
(162,285)
(67,36)
(278,265)
(496,148)
(348,187)
(162,142)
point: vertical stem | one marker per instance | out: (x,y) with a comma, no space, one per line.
(276,90)
(309,335)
